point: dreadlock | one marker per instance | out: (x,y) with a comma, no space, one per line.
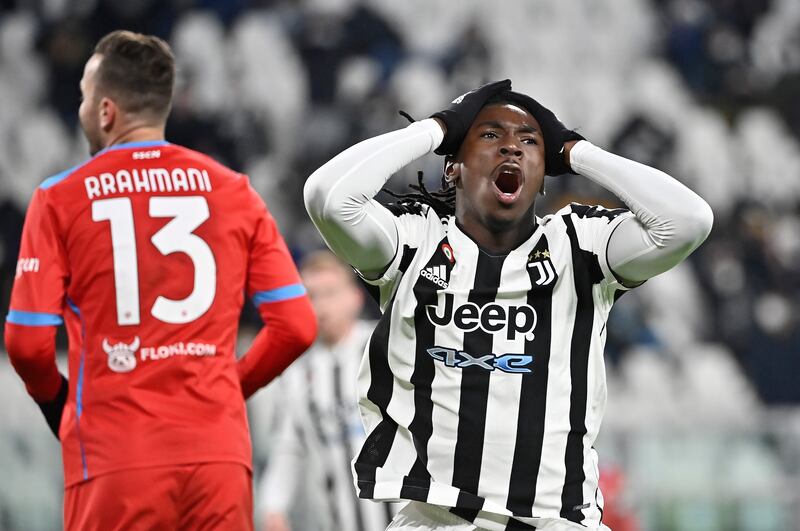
(442,201)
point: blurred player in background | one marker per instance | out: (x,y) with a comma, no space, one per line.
(320,428)
(145,253)
(483,386)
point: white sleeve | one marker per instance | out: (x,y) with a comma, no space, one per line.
(669,220)
(414,231)
(339,196)
(592,227)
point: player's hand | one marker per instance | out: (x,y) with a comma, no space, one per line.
(555,133)
(458,117)
(53,409)
(276,522)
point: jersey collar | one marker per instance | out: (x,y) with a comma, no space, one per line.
(142,144)
(458,236)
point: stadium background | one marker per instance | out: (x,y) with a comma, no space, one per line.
(702,430)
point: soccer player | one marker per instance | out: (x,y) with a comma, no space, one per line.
(483,385)
(321,428)
(144,253)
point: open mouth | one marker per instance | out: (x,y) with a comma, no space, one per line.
(508,182)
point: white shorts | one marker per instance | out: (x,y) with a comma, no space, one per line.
(419,516)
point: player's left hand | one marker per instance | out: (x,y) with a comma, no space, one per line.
(555,133)
(53,409)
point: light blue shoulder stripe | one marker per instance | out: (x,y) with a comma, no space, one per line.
(291,291)
(142,144)
(57,178)
(20,317)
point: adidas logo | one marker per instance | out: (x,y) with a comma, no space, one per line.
(436,274)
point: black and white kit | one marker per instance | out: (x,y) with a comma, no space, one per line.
(483,385)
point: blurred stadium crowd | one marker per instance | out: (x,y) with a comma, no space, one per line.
(702,362)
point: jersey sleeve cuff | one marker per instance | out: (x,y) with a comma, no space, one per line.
(610,277)
(20,317)
(388,274)
(292,291)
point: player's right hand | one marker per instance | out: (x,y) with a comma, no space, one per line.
(458,117)
(53,409)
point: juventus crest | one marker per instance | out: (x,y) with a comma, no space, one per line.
(544,272)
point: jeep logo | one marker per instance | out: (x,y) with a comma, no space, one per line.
(490,317)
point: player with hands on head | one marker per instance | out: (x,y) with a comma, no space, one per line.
(145,253)
(483,385)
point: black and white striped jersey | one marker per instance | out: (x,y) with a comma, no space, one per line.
(483,385)
(318,434)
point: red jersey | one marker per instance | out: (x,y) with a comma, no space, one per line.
(145,253)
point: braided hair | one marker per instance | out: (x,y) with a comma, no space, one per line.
(442,201)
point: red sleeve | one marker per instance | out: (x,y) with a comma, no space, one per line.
(274,285)
(42,271)
(291,328)
(271,273)
(37,300)
(32,351)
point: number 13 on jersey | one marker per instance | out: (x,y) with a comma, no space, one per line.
(187,214)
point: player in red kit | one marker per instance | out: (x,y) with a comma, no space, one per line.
(145,253)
